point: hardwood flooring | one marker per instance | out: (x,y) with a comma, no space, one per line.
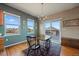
(69,51)
(17,51)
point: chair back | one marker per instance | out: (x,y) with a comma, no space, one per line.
(47,43)
(31,40)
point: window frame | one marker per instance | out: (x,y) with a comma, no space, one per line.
(5,34)
(33,26)
(58,19)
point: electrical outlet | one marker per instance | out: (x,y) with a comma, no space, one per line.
(6,39)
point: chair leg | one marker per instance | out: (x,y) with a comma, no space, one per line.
(28,52)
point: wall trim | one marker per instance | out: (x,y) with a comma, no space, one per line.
(69,38)
(15,43)
(70,42)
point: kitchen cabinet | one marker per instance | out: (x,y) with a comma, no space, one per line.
(1,17)
(1,43)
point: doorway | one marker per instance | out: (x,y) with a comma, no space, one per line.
(53,28)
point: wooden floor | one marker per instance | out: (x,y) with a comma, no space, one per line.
(17,51)
(68,51)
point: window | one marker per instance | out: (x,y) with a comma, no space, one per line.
(56,24)
(12,24)
(51,26)
(30,27)
(47,26)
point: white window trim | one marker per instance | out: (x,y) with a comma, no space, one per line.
(5,24)
(33,26)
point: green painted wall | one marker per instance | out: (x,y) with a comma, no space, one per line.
(1,29)
(16,38)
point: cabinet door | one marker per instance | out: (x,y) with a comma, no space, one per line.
(1,17)
(1,41)
(1,44)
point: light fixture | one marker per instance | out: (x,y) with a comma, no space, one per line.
(42,11)
(43,17)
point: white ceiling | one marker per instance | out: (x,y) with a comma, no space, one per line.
(36,9)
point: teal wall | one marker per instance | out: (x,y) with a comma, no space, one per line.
(1,29)
(24,16)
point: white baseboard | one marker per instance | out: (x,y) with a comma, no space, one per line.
(15,44)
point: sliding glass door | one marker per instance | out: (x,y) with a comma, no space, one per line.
(52,28)
(56,31)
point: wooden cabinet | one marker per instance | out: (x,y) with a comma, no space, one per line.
(1,17)
(1,44)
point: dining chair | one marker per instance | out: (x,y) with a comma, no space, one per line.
(45,47)
(34,47)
